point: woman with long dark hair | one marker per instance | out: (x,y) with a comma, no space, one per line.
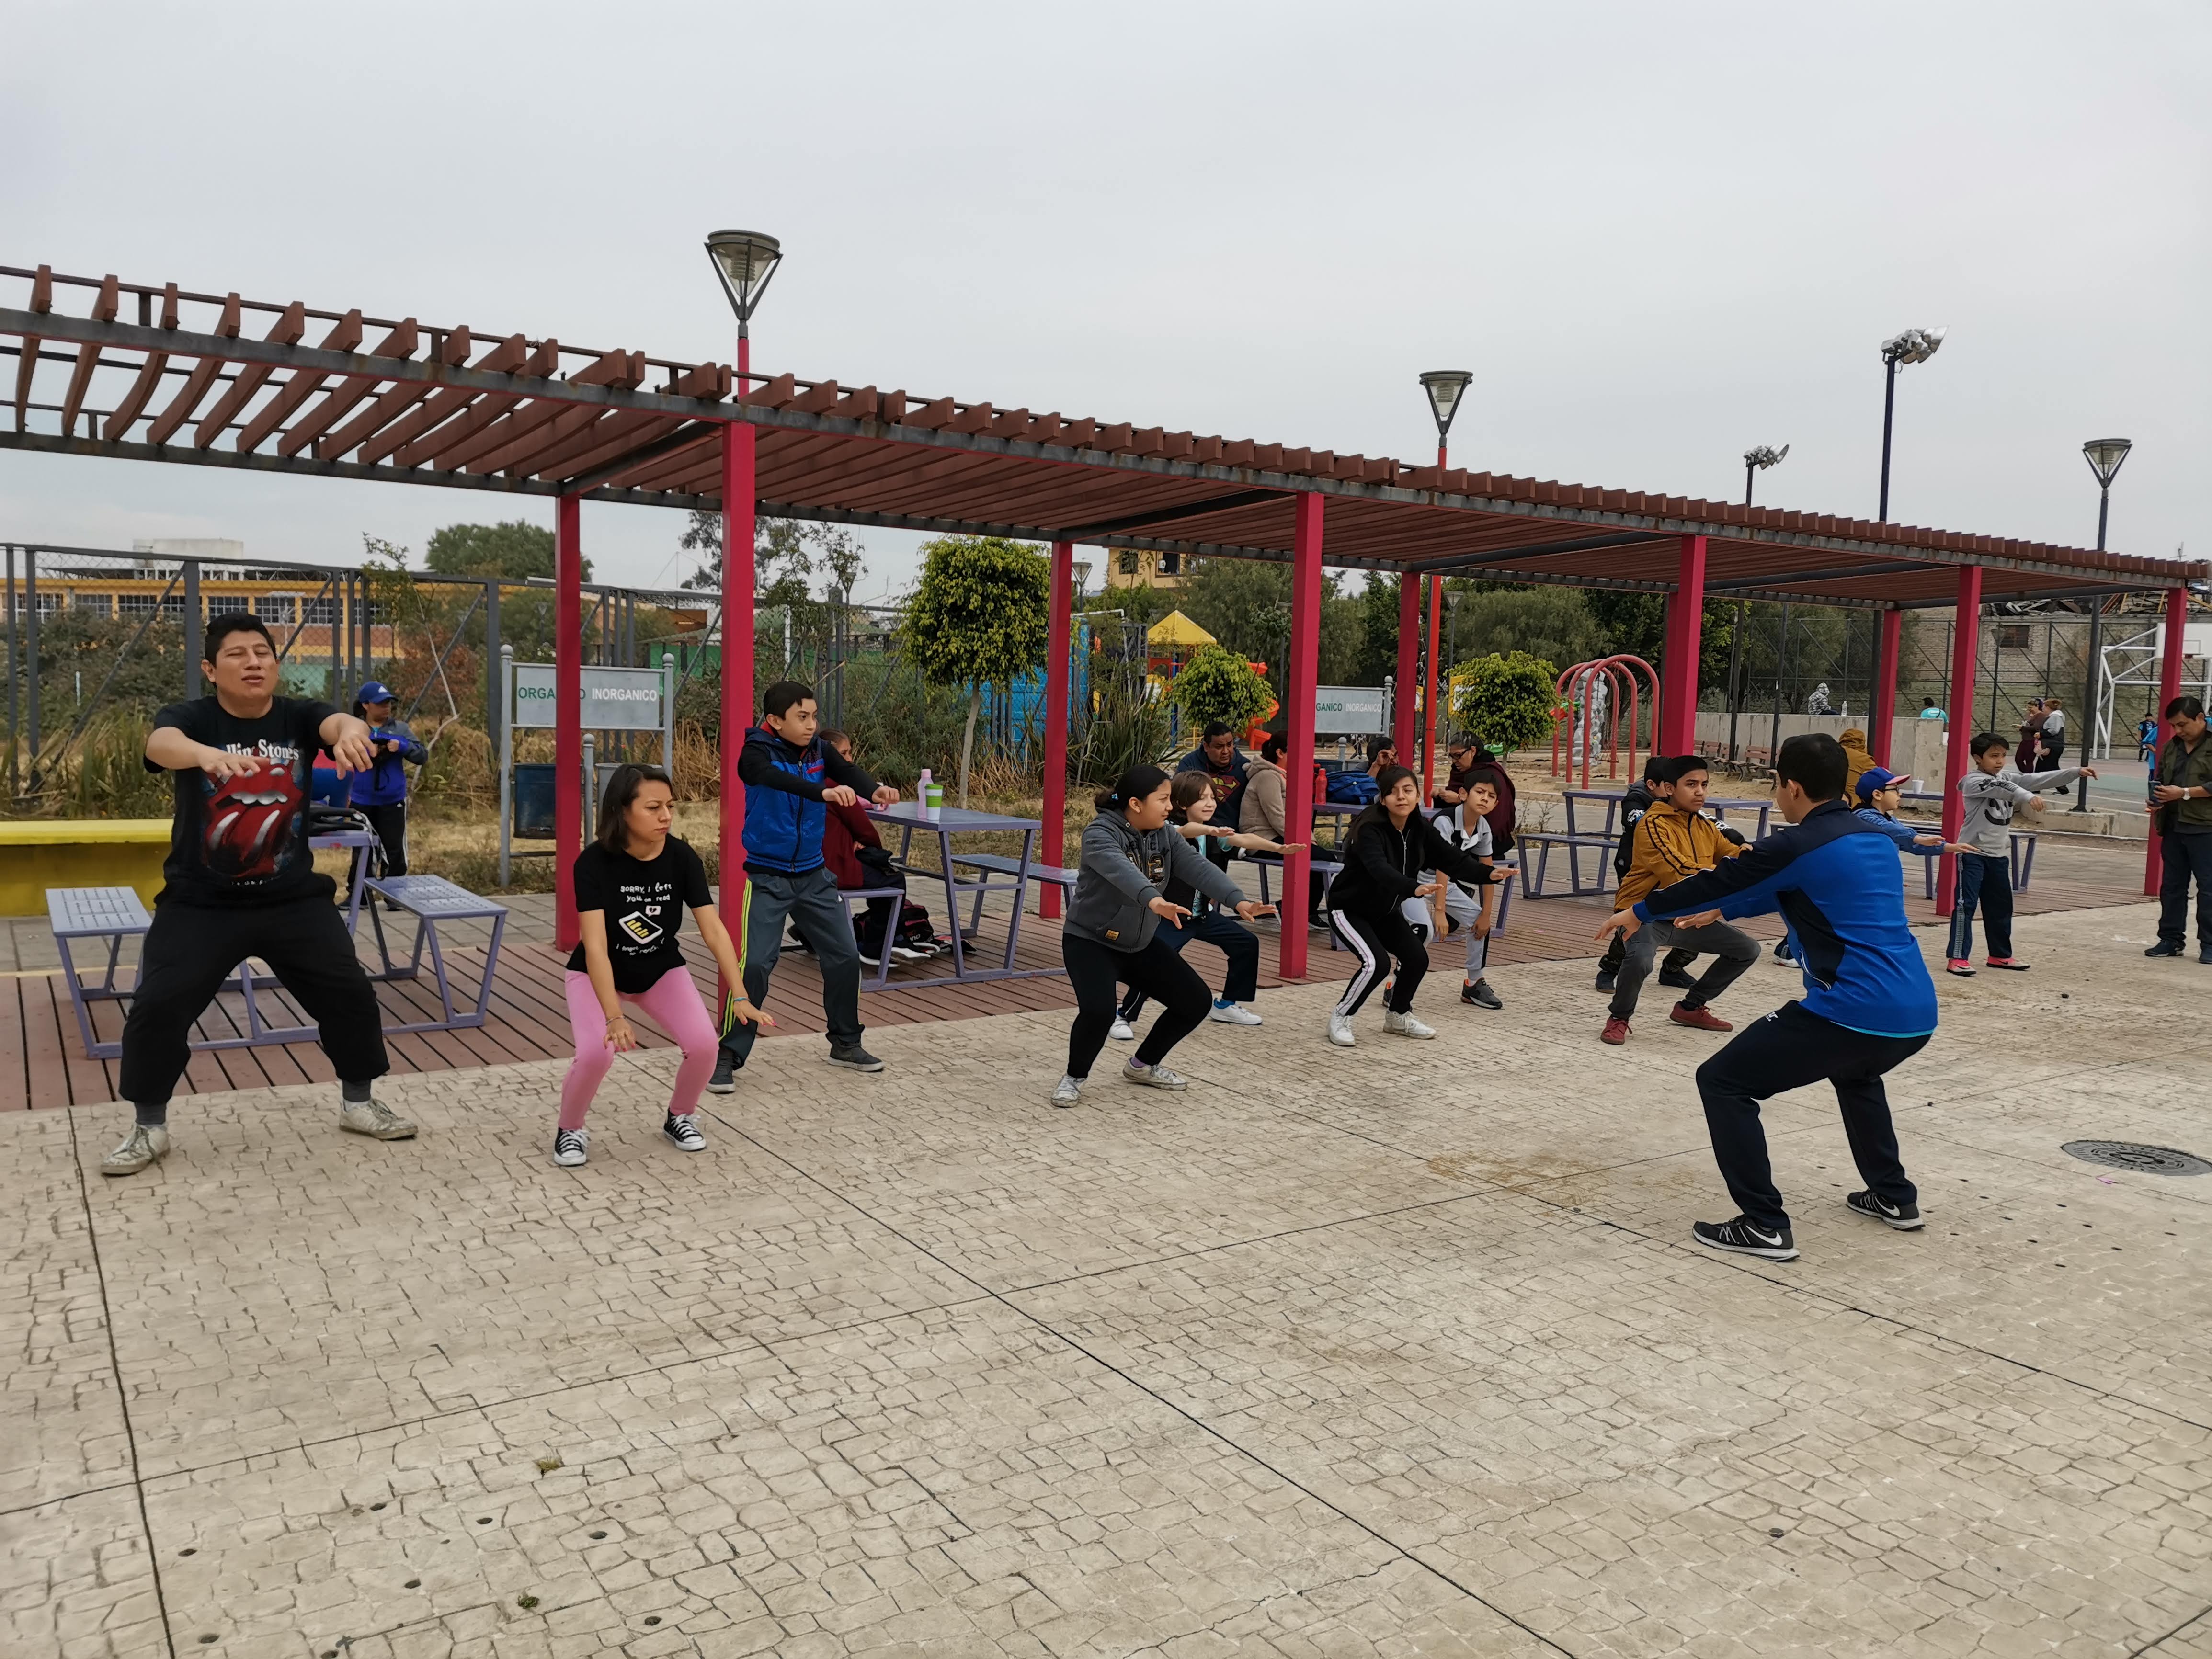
(1111,937)
(633,884)
(1388,849)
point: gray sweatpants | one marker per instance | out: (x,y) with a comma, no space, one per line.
(811,903)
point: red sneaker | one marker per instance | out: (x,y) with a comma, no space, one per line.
(1615,1032)
(1961,967)
(2012,963)
(1700,1019)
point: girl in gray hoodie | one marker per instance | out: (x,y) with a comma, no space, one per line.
(1129,856)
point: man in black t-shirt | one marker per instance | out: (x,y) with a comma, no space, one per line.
(240,881)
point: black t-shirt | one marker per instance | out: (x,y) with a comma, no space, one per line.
(644,905)
(244,840)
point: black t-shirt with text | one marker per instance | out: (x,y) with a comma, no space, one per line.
(244,840)
(644,905)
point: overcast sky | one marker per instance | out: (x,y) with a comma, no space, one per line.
(1658,233)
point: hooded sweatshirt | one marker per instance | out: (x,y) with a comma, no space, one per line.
(1992,798)
(1124,870)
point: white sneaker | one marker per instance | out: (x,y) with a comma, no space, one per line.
(146,1143)
(1230,1013)
(1405,1025)
(1340,1031)
(1152,1077)
(572,1147)
(1122,1030)
(373,1118)
(1068,1093)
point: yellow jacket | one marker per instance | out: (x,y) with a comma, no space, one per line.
(1855,760)
(1671,845)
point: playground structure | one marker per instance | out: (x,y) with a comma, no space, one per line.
(1586,694)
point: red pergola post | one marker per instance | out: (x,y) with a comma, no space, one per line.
(2169,688)
(1677,732)
(1888,636)
(1300,676)
(1430,678)
(1056,716)
(1965,658)
(737,494)
(1405,709)
(568,712)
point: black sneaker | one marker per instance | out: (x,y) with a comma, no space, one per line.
(2205,956)
(725,1080)
(683,1133)
(1905,1218)
(854,1058)
(2165,947)
(1743,1238)
(1480,995)
(1677,979)
(1604,980)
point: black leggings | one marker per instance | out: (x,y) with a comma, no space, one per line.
(1094,969)
(1375,940)
(1231,937)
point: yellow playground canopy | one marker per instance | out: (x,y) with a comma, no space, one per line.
(1178,633)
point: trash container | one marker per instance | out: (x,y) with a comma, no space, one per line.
(533,802)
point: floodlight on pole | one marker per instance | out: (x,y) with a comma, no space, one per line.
(1444,387)
(1915,345)
(2104,456)
(1756,461)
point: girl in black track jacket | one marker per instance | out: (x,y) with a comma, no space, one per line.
(1385,852)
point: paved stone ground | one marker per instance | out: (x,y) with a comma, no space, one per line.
(1398,1351)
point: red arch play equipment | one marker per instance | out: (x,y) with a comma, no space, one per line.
(1618,673)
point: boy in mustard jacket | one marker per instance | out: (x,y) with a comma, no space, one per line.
(1674,840)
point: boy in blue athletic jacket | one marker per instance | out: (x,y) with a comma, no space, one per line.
(1868,1005)
(789,774)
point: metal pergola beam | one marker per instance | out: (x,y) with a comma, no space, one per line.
(1729,585)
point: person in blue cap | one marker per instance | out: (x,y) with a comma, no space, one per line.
(381,793)
(1878,791)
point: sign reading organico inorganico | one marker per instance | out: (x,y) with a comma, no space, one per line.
(615,699)
(1350,709)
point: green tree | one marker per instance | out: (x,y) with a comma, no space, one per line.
(1245,605)
(511,549)
(978,618)
(1505,700)
(1552,622)
(1219,684)
(784,550)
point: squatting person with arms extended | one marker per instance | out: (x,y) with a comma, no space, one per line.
(789,774)
(240,881)
(1868,1005)
(1130,857)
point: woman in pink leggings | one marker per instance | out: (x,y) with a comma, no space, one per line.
(633,884)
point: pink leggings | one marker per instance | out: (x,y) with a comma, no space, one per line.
(673,1001)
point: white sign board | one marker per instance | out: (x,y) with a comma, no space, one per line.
(615,699)
(1350,710)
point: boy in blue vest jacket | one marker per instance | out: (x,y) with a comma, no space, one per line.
(789,774)
(1870,1005)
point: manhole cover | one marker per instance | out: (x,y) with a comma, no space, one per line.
(2132,1155)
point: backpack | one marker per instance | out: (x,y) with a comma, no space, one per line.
(1352,789)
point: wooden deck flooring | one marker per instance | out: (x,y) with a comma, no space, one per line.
(42,1060)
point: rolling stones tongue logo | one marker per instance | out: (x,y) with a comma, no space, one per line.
(249,822)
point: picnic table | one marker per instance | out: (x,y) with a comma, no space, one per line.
(994,873)
(1719,806)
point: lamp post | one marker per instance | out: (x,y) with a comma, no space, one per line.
(1444,387)
(744,261)
(1756,461)
(2104,456)
(1915,345)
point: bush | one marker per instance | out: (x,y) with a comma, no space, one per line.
(1218,684)
(1509,701)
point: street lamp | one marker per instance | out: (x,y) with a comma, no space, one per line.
(1444,386)
(1756,461)
(1915,345)
(2104,456)
(744,260)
